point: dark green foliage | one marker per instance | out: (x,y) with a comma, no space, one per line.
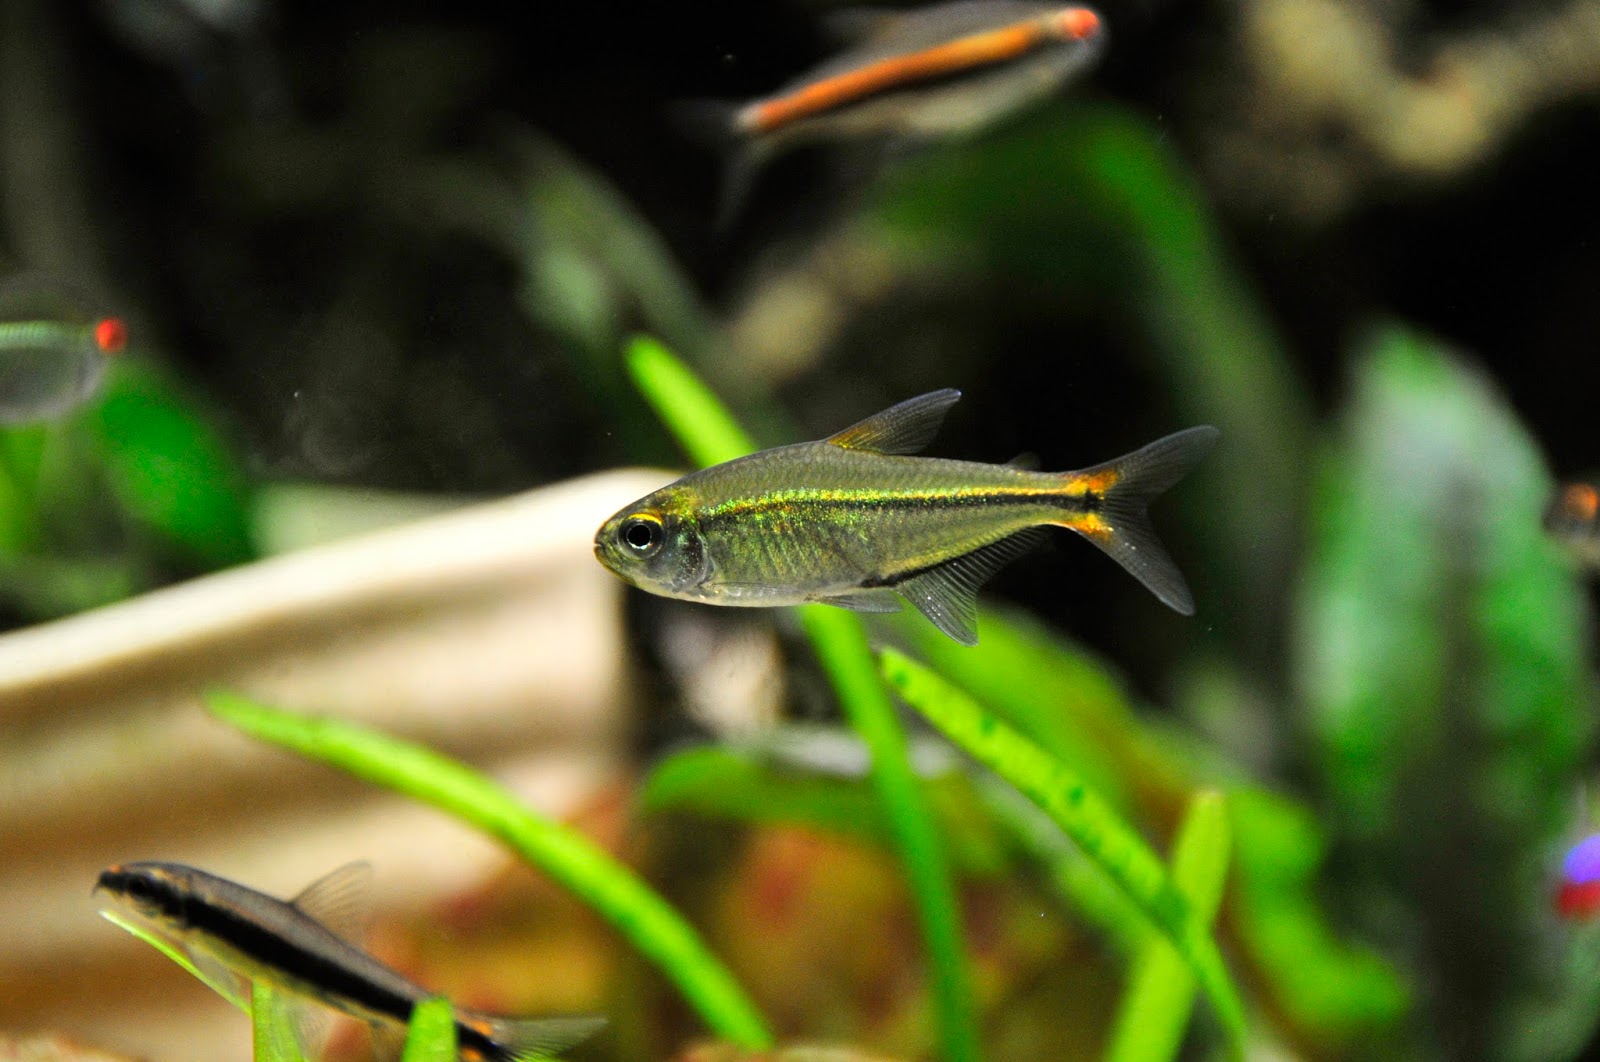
(1441,650)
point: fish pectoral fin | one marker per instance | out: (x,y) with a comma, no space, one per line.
(948,593)
(341,900)
(875,600)
(900,429)
(225,982)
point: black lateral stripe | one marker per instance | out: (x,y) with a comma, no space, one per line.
(302,961)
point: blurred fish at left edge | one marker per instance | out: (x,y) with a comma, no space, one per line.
(54,349)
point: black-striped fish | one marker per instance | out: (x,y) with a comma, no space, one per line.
(853,521)
(919,74)
(233,933)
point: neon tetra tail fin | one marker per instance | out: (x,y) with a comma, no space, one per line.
(1117,522)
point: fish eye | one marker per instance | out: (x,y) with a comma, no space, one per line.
(140,890)
(642,534)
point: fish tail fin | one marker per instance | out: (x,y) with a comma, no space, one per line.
(1119,493)
(530,1039)
(717,125)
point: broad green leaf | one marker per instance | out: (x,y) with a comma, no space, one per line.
(169,467)
(1441,651)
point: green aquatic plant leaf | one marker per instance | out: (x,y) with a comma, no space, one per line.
(431,1035)
(696,417)
(1441,652)
(272,1026)
(711,435)
(1149,1026)
(170,468)
(1083,816)
(730,782)
(1332,993)
(647,921)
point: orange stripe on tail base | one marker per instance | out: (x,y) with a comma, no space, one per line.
(981,49)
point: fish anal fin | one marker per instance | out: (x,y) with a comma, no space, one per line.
(341,900)
(1119,523)
(948,593)
(873,600)
(388,1040)
(901,429)
(531,1039)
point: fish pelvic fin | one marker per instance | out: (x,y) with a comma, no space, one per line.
(531,1039)
(1109,503)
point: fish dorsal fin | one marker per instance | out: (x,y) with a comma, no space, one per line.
(901,429)
(341,900)
(853,25)
(948,593)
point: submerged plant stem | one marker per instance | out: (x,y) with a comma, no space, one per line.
(1160,995)
(711,435)
(644,918)
(1083,815)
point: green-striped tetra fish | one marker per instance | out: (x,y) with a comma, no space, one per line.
(852,521)
(232,933)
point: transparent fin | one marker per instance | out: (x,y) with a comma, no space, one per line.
(388,1040)
(865,601)
(1125,534)
(526,1040)
(227,983)
(341,900)
(948,594)
(310,1023)
(900,429)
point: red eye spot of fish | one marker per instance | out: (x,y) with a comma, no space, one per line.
(1077,23)
(111,335)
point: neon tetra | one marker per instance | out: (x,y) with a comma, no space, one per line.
(923,74)
(852,521)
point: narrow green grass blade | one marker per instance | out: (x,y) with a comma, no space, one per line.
(691,412)
(272,1028)
(711,435)
(1082,815)
(225,991)
(432,1035)
(646,920)
(841,643)
(1155,1010)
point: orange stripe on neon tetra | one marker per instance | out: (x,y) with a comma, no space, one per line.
(965,53)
